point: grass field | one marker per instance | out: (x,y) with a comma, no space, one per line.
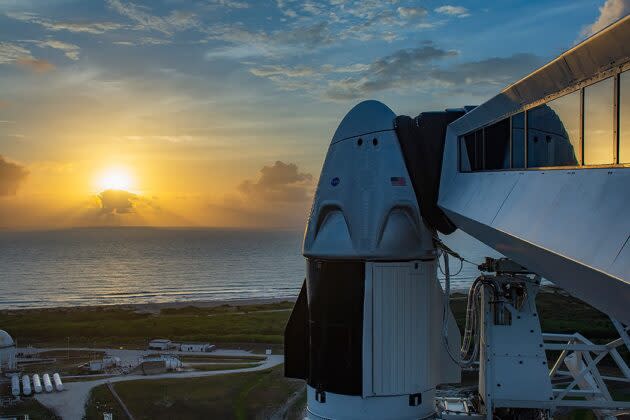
(235,396)
(253,327)
(29,406)
(115,327)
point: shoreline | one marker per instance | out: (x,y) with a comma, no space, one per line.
(155,307)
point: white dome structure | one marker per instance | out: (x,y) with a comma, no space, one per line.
(7,352)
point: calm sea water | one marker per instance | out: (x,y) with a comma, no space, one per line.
(148,265)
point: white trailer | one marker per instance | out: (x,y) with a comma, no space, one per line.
(47,383)
(37,384)
(15,386)
(197,347)
(57,381)
(26,385)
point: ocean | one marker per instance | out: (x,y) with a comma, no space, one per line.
(108,266)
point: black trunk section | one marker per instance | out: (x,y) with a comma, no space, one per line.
(327,350)
(296,339)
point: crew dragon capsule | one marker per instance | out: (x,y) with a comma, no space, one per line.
(366,330)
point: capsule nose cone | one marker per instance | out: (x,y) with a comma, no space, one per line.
(366,117)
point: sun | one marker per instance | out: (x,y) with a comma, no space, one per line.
(115,178)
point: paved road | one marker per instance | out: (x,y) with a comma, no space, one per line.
(128,356)
(70,403)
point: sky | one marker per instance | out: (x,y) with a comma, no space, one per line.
(219,112)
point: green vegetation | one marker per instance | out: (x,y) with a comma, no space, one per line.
(248,327)
(233,396)
(102,401)
(30,406)
(115,326)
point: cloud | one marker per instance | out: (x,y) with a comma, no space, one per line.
(11,176)
(10,53)
(232,4)
(145,40)
(458,11)
(70,50)
(397,70)
(174,22)
(277,70)
(495,71)
(246,43)
(117,201)
(412,12)
(610,12)
(35,64)
(312,36)
(77,27)
(16,54)
(282,183)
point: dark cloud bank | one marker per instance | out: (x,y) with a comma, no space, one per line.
(281,182)
(11,176)
(117,201)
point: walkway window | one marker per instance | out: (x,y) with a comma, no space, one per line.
(624,117)
(471,152)
(497,145)
(553,132)
(518,140)
(598,123)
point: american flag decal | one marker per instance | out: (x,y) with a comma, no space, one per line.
(398,181)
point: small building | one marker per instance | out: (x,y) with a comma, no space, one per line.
(152,365)
(7,352)
(197,347)
(162,344)
(105,363)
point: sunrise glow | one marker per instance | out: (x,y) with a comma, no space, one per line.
(115,178)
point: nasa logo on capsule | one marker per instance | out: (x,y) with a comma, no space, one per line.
(335,181)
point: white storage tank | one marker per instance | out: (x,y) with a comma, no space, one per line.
(26,385)
(37,384)
(57,381)
(172,363)
(47,383)
(15,386)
